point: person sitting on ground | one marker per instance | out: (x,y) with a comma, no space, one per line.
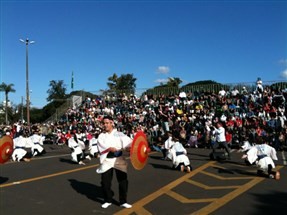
(180,159)
(193,141)
(168,143)
(245,147)
(20,153)
(77,154)
(93,144)
(37,143)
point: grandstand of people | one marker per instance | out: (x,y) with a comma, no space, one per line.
(245,113)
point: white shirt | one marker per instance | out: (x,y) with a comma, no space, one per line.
(262,149)
(220,134)
(222,93)
(117,140)
(168,143)
(36,138)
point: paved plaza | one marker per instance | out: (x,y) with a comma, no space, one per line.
(52,184)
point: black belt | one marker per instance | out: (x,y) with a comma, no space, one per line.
(179,153)
(114,154)
(261,156)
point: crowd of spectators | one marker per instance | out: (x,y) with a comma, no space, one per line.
(243,114)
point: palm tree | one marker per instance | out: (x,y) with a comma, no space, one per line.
(174,82)
(7,89)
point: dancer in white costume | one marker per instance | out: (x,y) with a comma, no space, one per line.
(263,155)
(111,144)
(179,156)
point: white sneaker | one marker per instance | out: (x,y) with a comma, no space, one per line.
(106,205)
(126,205)
(82,163)
(88,157)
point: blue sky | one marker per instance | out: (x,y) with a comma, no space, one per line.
(224,41)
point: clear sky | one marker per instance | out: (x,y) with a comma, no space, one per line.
(223,41)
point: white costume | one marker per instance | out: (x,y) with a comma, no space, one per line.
(117,140)
(168,145)
(179,155)
(82,144)
(19,148)
(246,146)
(259,87)
(37,144)
(263,154)
(76,149)
(93,146)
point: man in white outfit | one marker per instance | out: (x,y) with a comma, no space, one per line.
(111,144)
(219,132)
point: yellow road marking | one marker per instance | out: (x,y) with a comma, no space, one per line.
(47,176)
(51,175)
(206,187)
(233,164)
(183,199)
(226,178)
(138,206)
(228,197)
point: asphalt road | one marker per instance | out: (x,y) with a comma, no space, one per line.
(52,184)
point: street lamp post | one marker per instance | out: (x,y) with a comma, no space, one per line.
(27,42)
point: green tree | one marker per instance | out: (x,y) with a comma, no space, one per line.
(112,82)
(57,91)
(173,82)
(126,83)
(170,87)
(7,89)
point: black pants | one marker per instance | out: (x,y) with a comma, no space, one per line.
(106,182)
(221,144)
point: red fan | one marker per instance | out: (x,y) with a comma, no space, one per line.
(139,151)
(6,148)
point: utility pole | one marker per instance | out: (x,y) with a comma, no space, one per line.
(27,42)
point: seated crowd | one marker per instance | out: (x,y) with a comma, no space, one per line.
(193,115)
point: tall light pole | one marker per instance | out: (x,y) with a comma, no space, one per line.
(27,42)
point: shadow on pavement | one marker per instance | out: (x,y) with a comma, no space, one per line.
(273,203)
(91,191)
(161,166)
(65,160)
(3,179)
(233,171)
